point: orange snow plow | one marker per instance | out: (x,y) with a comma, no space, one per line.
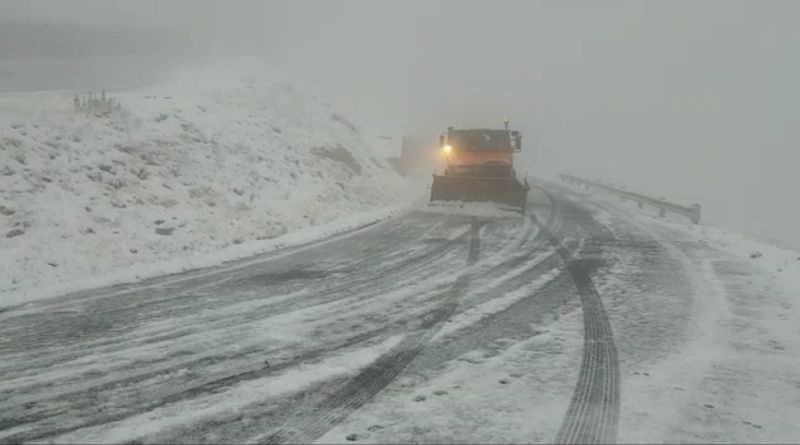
(480,167)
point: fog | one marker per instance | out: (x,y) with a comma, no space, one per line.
(693,101)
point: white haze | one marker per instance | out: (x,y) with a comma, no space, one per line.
(694,101)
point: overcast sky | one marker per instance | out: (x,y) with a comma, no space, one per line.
(694,100)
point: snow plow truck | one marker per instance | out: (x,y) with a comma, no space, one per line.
(480,167)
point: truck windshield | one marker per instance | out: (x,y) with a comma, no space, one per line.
(480,140)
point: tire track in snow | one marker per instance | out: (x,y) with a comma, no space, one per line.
(81,406)
(171,395)
(149,301)
(57,402)
(65,403)
(593,412)
(210,307)
(238,317)
(359,390)
(246,317)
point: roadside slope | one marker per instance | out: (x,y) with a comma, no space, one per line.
(206,161)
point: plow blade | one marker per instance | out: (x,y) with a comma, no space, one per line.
(480,189)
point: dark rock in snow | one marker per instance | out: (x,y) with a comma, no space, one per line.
(133,251)
(88,230)
(158,222)
(165,230)
(775,345)
(116,183)
(105,167)
(420,398)
(238,241)
(374,428)
(14,232)
(755,255)
(52,264)
(503,381)
(709,406)
(338,118)
(352,437)
(440,392)
(140,173)
(5,211)
(339,154)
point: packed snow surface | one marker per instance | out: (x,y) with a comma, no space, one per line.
(209,160)
(482,209)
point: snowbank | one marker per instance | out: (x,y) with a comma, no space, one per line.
(207,161)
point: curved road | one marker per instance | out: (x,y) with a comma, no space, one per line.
(287,347)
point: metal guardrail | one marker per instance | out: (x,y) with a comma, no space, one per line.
(692,211)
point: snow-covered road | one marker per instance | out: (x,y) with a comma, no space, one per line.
(577,322)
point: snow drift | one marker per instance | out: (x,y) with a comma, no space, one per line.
(190,166)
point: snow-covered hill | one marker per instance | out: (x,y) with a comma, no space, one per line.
(205,161)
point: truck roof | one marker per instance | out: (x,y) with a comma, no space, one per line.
(480,139)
